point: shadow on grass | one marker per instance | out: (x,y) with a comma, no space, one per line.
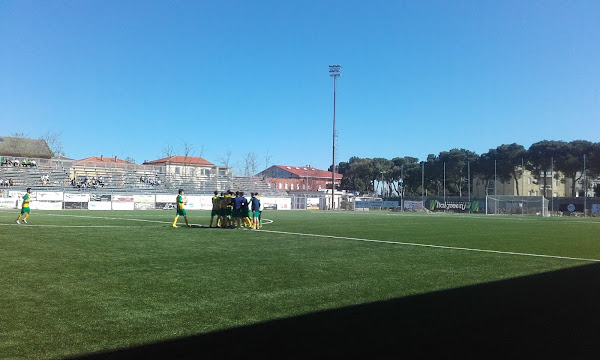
(550,315)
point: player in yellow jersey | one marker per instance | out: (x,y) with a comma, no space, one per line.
(180,209)
(215,209)
(228,209)
(222,210)
(25,210)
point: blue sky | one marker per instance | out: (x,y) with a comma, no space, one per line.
(129,78)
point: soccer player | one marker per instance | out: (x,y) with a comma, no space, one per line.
(180,209)
(260,210)
(255,206)
(215,209)
(239,202)
(246,213)
(25,210)
(228,213)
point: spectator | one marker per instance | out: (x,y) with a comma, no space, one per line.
(10,182)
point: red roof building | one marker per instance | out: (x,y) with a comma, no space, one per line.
(299,178)
(101,160)
(192,167)
(181,160)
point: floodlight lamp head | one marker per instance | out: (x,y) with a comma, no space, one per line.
(335,70)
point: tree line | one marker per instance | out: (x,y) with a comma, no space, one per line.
(405,175)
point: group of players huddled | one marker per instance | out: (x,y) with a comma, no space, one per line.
(231,210)
(236,211)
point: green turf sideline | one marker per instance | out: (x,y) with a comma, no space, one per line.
(434,246)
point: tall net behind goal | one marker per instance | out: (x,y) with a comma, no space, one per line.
(516,205)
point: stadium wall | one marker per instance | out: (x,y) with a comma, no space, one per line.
(57,200)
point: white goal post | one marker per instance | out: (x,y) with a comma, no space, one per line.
(516,205)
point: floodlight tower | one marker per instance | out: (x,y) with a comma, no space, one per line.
(334,71)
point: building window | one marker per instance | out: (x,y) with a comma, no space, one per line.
(286,186)
(528,181)
(177,170)
(280,186)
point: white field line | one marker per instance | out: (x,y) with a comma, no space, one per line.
(434,246)
(110,218)
(79,226)
(502,217)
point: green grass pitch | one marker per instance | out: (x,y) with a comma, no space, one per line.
(78,282)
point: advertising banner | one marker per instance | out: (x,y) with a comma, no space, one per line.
(19,194)
(76,197)
(198,202)
(144,198)
(123,198)
(46,205)
(166,198)
(49,196)
(123,205)
(276,203)
(99,205)
(76,205)
(570,208)
(376,203)
(144,202)
(143,206)
(165,206)
(8,203)
(413,205)
(459,206)
(596,208)
(98,197)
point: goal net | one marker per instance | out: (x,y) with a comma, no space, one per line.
(516,205)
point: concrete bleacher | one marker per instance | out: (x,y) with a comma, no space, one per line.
(127,180)
(32,176)
(199,185)
(255,184)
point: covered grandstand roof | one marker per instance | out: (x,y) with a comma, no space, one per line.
(23,147)
(178,159)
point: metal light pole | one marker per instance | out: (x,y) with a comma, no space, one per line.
(444,182)
(522,185)
(584,187)
(334,71)
(469,177)
(551,185)
(495,181)
(423,183)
